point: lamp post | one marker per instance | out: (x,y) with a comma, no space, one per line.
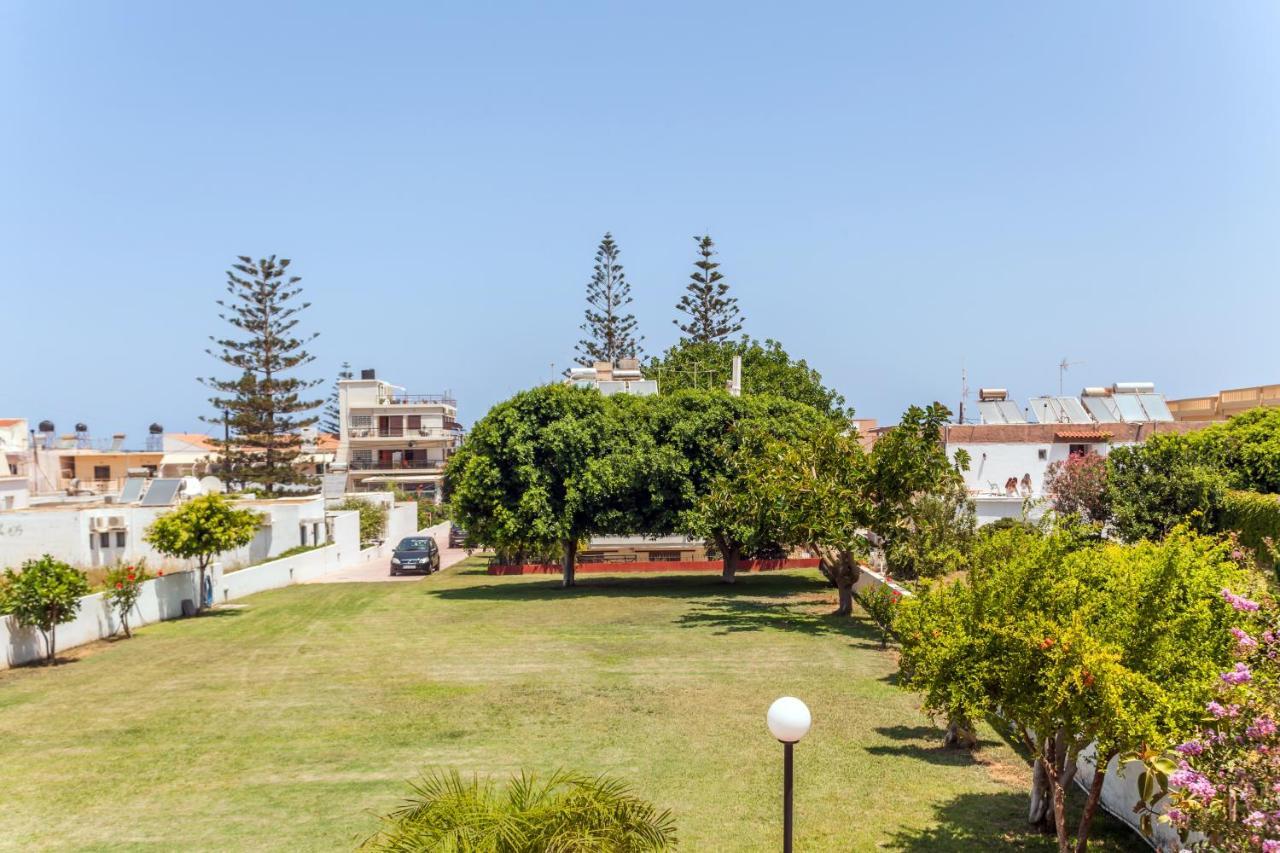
(788,720)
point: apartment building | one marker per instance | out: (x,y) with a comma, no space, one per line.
(1224,404)
(609,379)
(391,439)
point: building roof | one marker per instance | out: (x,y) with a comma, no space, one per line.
(1125,433)
(8,422)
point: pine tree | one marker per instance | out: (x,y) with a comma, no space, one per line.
(263,407)
(713,314)
(330,421)
(610,333)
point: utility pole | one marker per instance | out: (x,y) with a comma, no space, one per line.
(735,381)
(964,390)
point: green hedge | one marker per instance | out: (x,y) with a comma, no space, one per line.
(1256,517)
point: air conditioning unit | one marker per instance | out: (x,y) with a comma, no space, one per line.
(99,522)
(116,522)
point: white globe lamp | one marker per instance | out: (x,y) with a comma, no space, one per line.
(789,719)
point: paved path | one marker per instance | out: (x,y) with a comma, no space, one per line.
(378,570)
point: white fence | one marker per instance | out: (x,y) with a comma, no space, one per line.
(161,598)
(1119,790)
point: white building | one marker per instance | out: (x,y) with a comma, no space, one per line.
(610,379)
(391,439)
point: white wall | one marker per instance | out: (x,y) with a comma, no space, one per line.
(161,598)
(991,464)
(64,532)
(15,492)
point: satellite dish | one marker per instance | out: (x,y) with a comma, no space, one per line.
(212,485)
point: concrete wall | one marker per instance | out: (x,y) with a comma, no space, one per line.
(161,597)
(67,532)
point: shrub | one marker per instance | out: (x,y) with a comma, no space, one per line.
(124,585)
(881,603)
(567,812)
(373,518)
(201,529)
(1256,518)
(1078,486)
(1154,487)
(44,595)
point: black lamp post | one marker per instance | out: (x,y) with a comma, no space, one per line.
(788,720)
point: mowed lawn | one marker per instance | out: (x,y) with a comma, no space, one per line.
(286,722)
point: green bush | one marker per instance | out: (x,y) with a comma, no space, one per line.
(44,595)
(1256,519)
(124,585)
(373,518)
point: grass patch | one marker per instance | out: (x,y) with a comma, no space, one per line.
(287,726)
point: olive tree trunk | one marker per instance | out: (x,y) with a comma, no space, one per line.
(570,561)
(731,555)
(842,569)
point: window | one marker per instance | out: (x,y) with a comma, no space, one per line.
(102,472)
(414,422)
(1044,454)
(1078,449)
(104,540)
(120,538)
(361,421)
(664,556)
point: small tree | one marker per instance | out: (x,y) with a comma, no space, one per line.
(44,595)
(200,530)
(1078,486)
(611,334)
(124,585)
(712,312)
(1154,487)
(373,517)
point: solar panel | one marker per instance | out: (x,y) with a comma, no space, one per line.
(1157,408)
(162,493)
(131,491)
(989,412)
(1073,411)
(1130,407)
(1011,411)
(1043,410)
(1103,409)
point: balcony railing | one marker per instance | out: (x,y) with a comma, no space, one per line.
(417,400)
(406,432)
(396,465)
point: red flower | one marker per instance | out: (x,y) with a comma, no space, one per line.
(160,573)
(1088,678)
(1046,642)
(119,585)
(133,577)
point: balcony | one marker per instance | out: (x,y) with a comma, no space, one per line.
(417,400)
(428,433)
(395,465)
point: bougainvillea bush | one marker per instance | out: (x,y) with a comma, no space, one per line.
(124,585)
(1078,486)
(1224,784)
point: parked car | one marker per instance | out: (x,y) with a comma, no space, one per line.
(415,554)
(457,537)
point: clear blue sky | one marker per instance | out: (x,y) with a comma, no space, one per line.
(894,187)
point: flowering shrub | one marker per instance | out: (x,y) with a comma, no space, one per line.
(1078,486)
(1225,782)
(124,585)
(881,603)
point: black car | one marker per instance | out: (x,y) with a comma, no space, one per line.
(415,554)
(457,537)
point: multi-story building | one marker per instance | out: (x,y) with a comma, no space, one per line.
(391,439)
(1224,404)
(623,378)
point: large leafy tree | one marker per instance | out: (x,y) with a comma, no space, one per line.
(711,313)
(201,529)
(709,443)
(610,328)
(1246,449)
(554,465)
(1154,487)
(766,369)
(265,405)
(44,595)
(330,422)
(1072,642)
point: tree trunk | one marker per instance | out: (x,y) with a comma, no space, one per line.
(844,590)
(731,554)
(570,561)
(842,569)
(960,734)
(1091,804)
(200,591)
(51,643)
(1040,814)
(124,620)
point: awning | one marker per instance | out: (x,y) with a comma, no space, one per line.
(404,478)
(1081,435)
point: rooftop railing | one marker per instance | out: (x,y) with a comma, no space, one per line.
(417,399)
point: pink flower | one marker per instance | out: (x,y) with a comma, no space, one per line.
(1196,783)
(1270,846)
(1239,675)
(1191,747)
(1256,820)
(1218,711)
(1244,642)
(1263,727)
(1239,602)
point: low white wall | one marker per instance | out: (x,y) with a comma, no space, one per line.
(161,598)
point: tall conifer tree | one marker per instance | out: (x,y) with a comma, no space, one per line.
(264,408)
(713,313)
(330,421)
(610,333)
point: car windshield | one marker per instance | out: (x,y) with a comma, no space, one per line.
(413,545)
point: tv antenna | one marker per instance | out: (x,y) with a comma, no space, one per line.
(1063,367)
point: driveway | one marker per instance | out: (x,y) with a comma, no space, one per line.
(378,570)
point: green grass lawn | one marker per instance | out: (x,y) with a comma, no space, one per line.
(287,721)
